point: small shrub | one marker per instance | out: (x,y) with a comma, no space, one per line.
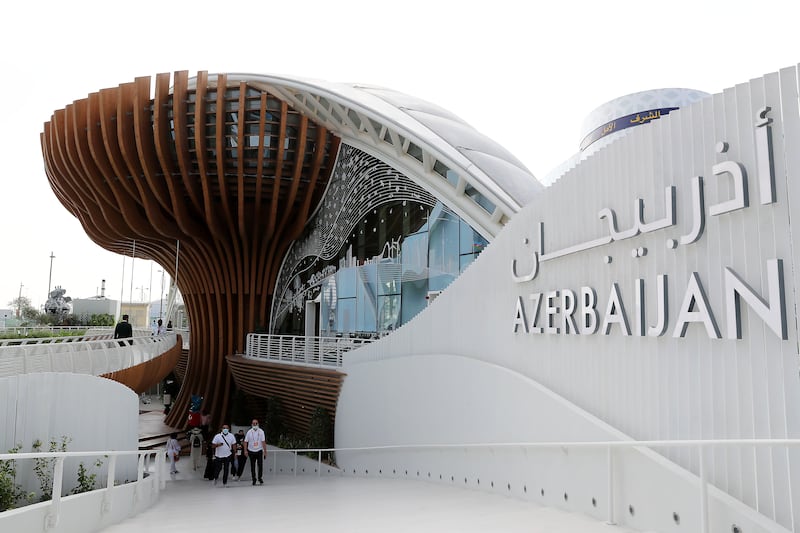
(86,481)
(43,466)
(321,430)
(274,420)
(10,492)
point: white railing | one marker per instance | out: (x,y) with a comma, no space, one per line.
(611,451)
(152,469)
(26,330)
(185,334)
(301,350)
(123,499)
(91,333)
(82,355)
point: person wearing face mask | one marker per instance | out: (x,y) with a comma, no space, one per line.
(239,458)
(256,449)
(224,444)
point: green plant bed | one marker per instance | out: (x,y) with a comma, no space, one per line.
(43,334)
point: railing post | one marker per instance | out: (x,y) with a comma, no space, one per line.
(704,522)
(295,463)
(611,503)
(139,479)
(112,466)
(160,461)
(319,463)
(274,463)
(55,503)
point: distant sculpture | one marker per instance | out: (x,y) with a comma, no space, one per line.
(57,304)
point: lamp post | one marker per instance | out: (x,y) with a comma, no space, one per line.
(141,293)
(19,300)
(50,278)
(161,297)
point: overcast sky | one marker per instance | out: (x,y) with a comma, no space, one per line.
(523,74)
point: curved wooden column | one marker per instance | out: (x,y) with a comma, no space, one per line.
(229,170)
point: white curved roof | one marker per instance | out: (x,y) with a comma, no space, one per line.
(476,177)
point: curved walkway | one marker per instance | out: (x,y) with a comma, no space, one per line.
(345,505)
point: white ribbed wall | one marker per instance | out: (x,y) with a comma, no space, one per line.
(646,387)
(95,413)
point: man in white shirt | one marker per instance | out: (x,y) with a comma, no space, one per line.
(224,444)
(255,448)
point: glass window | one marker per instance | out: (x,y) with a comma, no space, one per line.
(346,283)
(470,240)
(327,307)
(464,261)
(414,296)
(346,315)
(479,199)
(414,280)
(414,151)
(354,117)
(388,313)
(389,276)
(414,257)
(443,249)
(366,298)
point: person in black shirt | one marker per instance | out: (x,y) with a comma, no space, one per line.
(124,329)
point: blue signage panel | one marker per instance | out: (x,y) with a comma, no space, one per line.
(628,121)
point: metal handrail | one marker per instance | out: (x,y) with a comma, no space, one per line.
(610,447)
(302,350)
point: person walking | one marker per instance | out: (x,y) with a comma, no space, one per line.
(256,449)
(238,458)
(173,451)
(224,444)
(123,330)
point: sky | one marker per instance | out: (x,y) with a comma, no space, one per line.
(523,73)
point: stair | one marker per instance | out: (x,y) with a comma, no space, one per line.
(152,442)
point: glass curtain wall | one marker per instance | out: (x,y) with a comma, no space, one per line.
(394,262)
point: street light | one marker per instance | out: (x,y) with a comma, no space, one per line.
(161,297)
(50,278)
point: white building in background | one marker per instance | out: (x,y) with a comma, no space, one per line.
(4,315)
(618,117)
(97,305)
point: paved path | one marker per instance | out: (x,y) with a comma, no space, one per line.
(337,504)
(347,505)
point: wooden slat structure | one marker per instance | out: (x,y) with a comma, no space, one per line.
(143,376)
(301,389)
(227,170)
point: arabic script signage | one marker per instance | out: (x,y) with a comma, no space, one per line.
(586,310)
(628,121)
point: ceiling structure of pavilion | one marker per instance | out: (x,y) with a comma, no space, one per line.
(211,184)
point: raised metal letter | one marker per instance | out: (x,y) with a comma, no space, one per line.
(773,312)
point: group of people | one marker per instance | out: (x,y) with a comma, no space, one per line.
(231,451)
